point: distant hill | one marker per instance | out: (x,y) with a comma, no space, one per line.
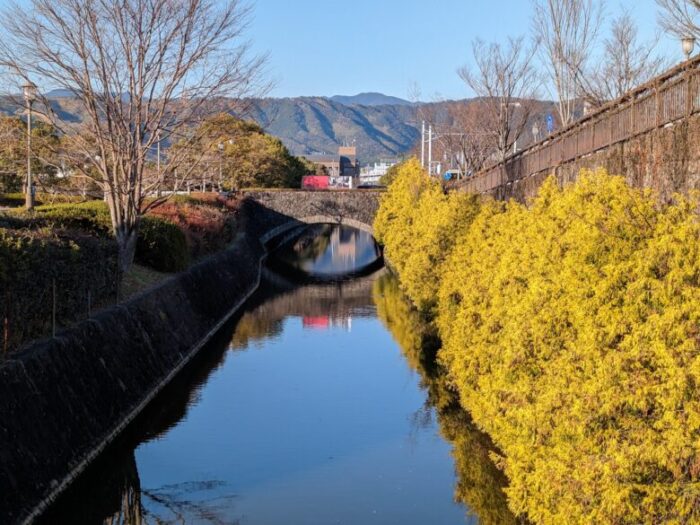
(59,93)
(318,125)
(370,99)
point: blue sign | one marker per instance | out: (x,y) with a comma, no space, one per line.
(550,123)
(447,175)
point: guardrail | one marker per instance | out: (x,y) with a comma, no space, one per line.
(672,96)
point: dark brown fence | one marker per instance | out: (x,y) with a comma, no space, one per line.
(670,97)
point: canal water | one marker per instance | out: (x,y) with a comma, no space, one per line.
(316,405)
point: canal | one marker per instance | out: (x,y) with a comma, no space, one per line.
(319,403)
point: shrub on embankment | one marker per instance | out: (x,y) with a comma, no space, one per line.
(37,267)
(17,200)
(161,244)
(570,329)
(209,221)
(70,246)
(416,223)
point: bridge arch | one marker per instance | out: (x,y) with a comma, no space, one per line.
(276,212)
(314,219)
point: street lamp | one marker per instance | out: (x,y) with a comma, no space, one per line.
(30,94)
(688,46)
(221,162)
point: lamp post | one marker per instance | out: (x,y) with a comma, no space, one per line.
(688,46)
(29,91)
(221,162)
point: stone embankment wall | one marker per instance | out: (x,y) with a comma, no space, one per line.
(63,400)
(666,160)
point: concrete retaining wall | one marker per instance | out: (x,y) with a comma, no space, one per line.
(63,400)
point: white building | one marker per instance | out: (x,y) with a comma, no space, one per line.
(372,174)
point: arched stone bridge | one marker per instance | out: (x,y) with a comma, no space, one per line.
(278,211)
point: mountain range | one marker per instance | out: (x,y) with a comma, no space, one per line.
(319,125)
(371,99)
(379,126)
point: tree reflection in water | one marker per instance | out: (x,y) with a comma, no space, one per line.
(480,483)
(115,500)
(111,493)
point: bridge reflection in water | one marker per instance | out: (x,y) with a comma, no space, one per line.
(281,421)
(328,251)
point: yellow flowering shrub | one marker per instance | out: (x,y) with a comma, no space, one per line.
(571,330)
(418,224)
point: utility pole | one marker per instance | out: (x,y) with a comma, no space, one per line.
(430,149)
(422,145)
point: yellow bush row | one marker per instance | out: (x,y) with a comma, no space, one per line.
(570,329)
(416,223)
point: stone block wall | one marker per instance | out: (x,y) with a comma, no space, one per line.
(666,160)
(277,208)
(63,400)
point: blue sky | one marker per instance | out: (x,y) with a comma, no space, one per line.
(343,47)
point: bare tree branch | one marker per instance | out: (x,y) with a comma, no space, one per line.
(567,31)
(626,64)
(680,17)
(507,83)
(142,70)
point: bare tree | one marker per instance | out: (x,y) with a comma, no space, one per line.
(143,71)
(626,63)
(680,17)
(462,138)
(567,31)
(506,81)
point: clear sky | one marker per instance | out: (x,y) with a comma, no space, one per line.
(344,47)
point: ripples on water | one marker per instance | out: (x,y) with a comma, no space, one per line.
(304,410)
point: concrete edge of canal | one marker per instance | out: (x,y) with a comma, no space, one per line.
(64,400)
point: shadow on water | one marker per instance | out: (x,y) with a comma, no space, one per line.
(112,490)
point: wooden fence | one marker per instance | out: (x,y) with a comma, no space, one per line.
(672,96)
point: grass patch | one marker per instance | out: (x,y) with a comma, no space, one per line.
(139,279)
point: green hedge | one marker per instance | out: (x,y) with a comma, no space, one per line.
(91,217)
(17,199)
(11,199)
(161,244)
(70,245)
(82,268)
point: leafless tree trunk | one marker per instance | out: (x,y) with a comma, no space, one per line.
(567,31)
(142,70)
(626,64)
(507,82)
(680,17)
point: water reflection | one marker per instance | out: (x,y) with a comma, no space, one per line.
(303,410)
(328,250)
(480,485)
(281,422)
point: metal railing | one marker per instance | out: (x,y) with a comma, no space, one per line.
(672,96)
